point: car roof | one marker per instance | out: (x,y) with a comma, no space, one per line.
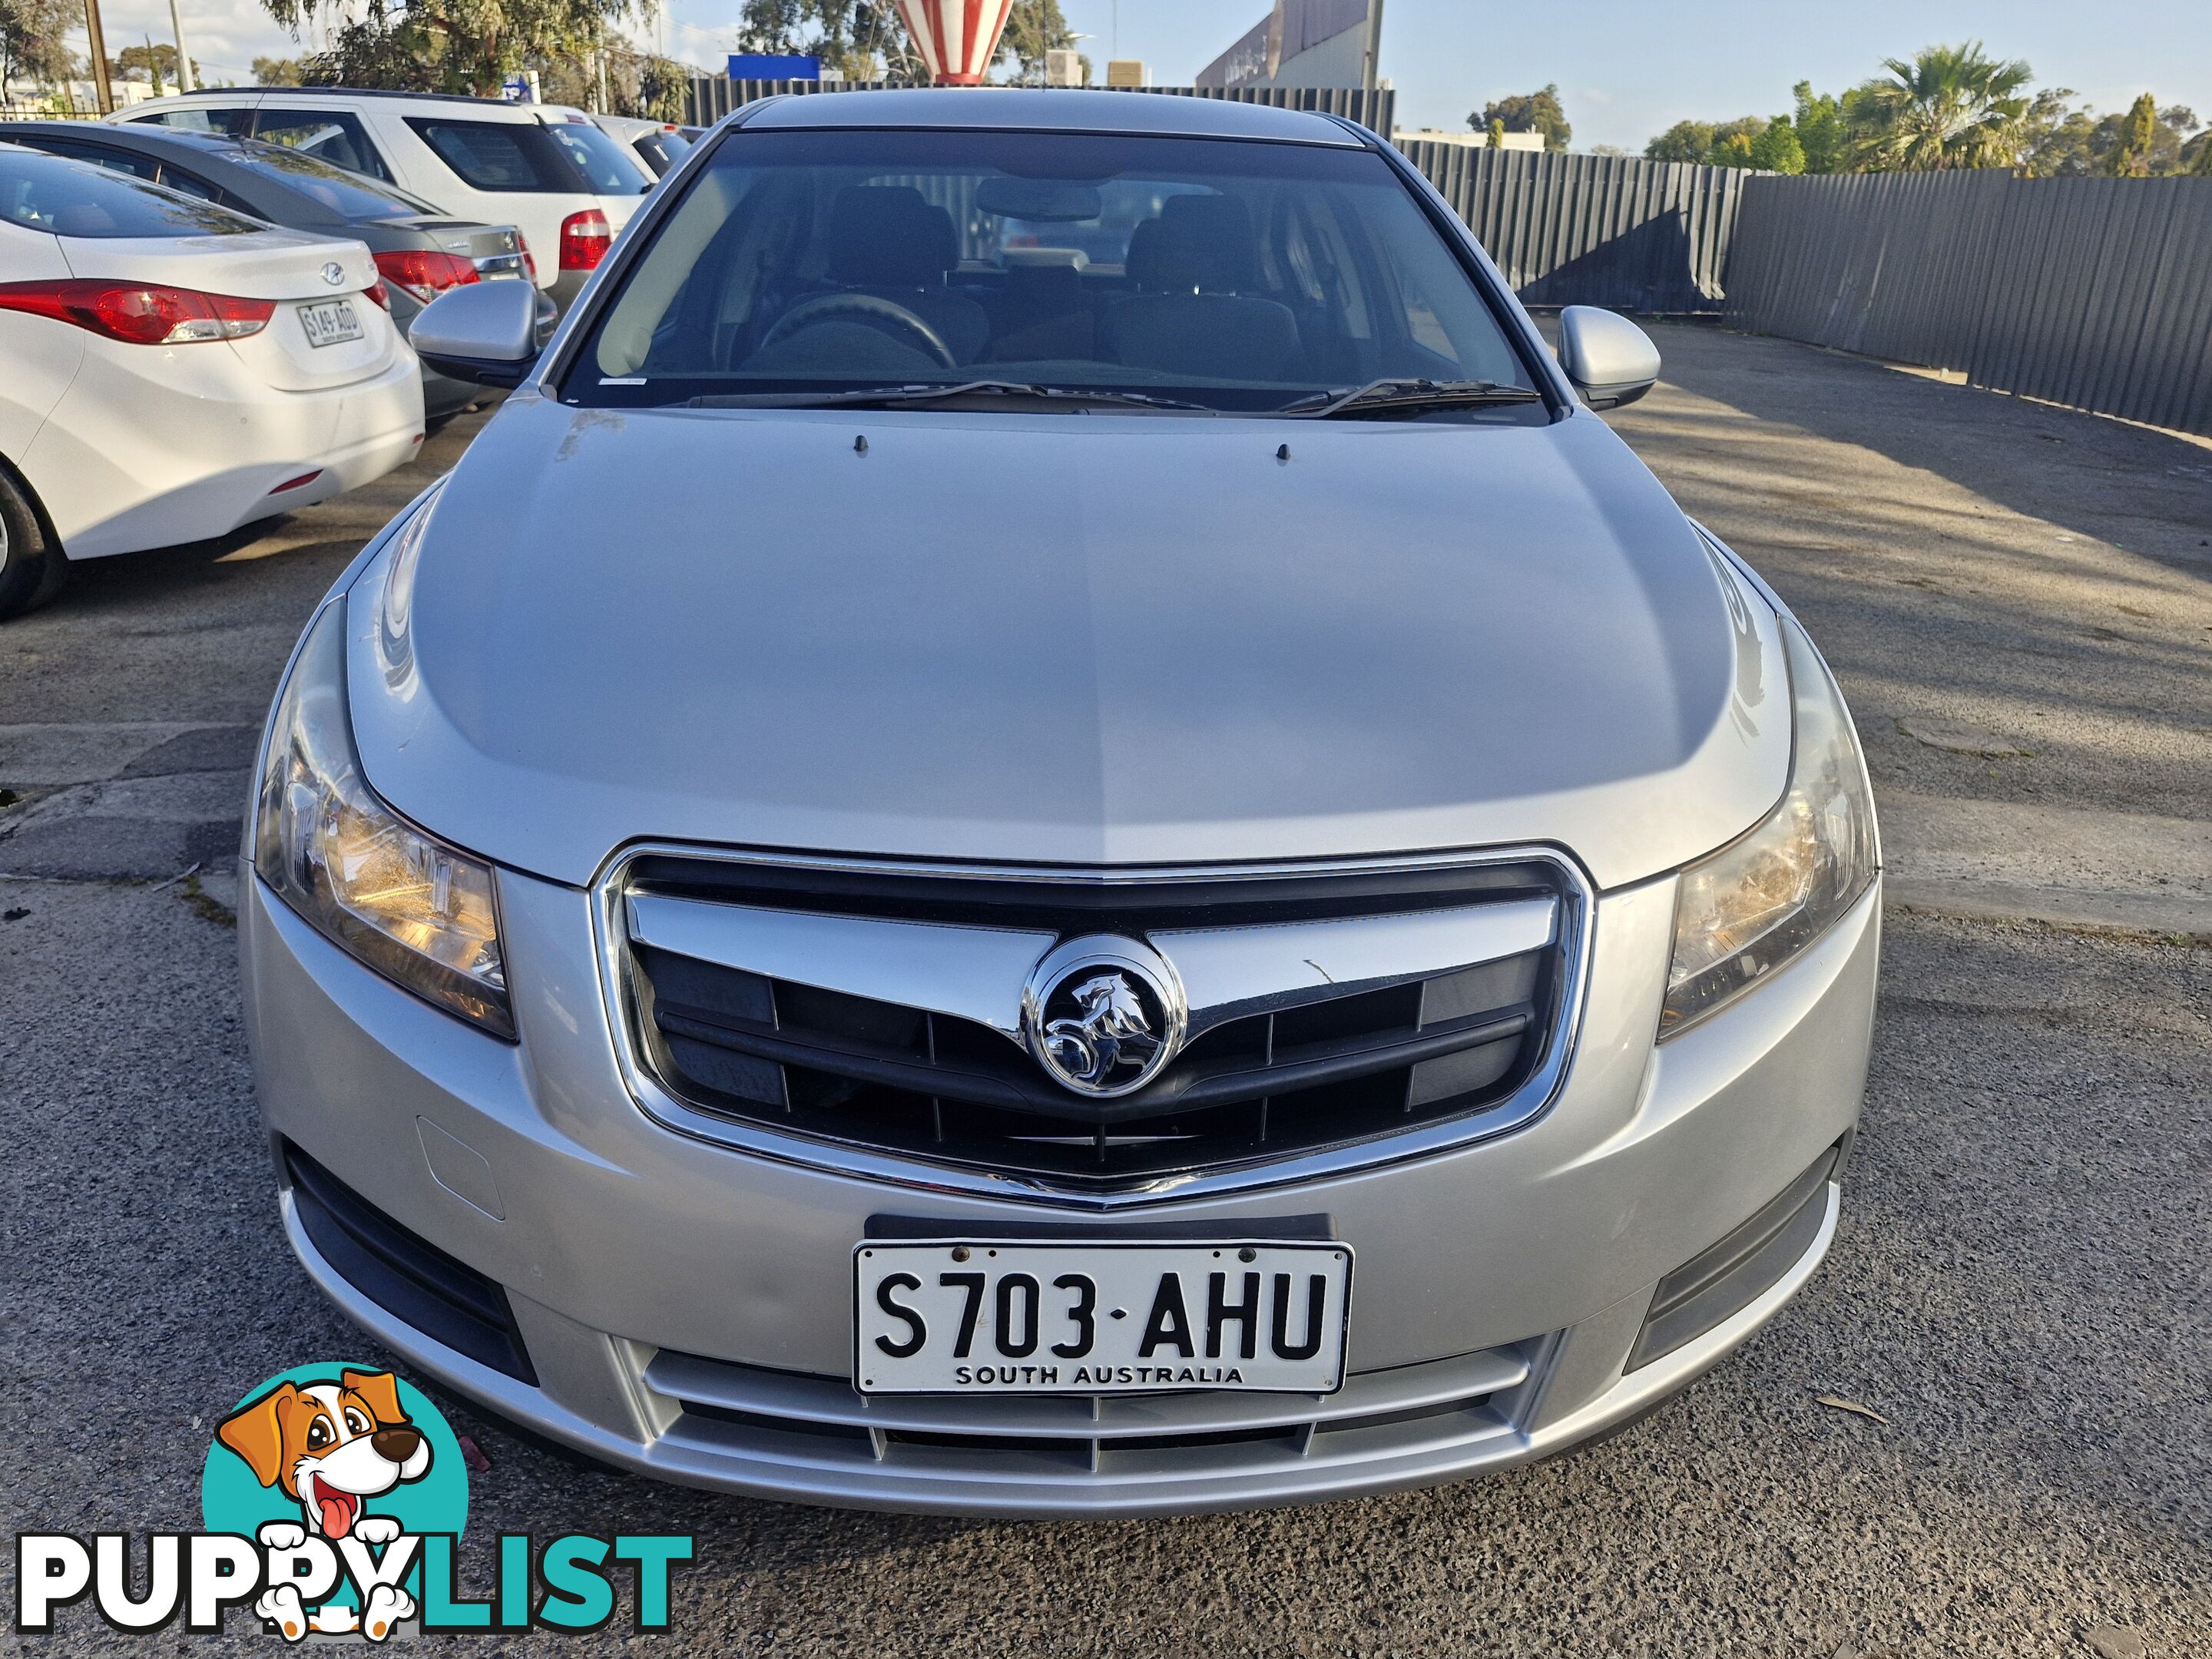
(1054,110)
(205,95)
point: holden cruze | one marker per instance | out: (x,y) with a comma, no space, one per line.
(1047,827)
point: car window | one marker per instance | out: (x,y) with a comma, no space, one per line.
(330,135)
(75,198)
(235,121)
(599,158)
(118,160)
(1237,274)
(500,155)
(662,151)
(204,189)
(346,195)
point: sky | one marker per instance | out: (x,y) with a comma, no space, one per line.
(1625,70)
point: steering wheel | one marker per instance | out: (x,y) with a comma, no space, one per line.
(827,308)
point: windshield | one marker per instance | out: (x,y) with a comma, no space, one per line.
(76,198)
(348,195)
(599,158)
(1238,276)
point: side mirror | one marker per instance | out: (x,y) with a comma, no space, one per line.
(1610,360)
(482,331)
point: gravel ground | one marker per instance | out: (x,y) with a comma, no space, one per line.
(2041,574)
(2017,1285)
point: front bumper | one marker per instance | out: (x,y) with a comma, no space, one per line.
(686,1307)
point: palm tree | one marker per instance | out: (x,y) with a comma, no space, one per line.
(1951,106)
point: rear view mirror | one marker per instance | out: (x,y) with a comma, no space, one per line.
(1610,360)
(1039,201)
(482,331)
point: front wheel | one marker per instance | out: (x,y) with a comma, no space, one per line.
(30,571)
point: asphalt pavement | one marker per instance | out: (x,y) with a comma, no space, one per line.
(2017,1296)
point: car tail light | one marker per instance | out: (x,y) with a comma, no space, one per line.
(585,239)
(426,273)
(140,313)
(529,264)
(377,294)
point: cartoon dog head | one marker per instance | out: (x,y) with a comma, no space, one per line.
(329,1445)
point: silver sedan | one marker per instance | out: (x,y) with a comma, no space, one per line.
(1047,827)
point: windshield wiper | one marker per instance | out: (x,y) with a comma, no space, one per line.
(1377,396)
(886,397)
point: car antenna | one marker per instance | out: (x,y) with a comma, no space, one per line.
(860,445)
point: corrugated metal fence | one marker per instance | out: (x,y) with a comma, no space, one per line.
(713,96)
(2092,292)
(1600,230)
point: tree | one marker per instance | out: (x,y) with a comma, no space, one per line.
(1686,141)
(2138,134)
(278,72)
(1749,141)
(451,46)
(1821,133)
(156,64)
(1033,28)
(2067,141)
(1777,148)
(31,43)
(862,40)
(1497,131)
(1537,112)
(1949,107)
(2200,163)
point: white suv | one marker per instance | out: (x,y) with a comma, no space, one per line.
(545,168)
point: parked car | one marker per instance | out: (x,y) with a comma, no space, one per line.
(175,369)
(419,251)
(545,168)
(1340,955)
(659,144)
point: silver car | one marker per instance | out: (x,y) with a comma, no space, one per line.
(1047,829)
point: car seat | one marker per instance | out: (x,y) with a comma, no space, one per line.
(1193,315)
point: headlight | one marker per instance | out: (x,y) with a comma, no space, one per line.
(1754,905)
(411,907)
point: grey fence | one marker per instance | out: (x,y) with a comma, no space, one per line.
(713,96)
(2092,292)
(1600,230)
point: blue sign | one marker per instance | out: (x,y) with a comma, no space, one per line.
(775,66)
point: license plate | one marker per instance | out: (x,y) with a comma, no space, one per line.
(330,322)
(999,1318)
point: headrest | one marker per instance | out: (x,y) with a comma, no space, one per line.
(1199,242)
(887,236)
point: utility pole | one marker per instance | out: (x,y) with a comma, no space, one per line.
(98,43)
(185,78)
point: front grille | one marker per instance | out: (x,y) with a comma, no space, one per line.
(803,1418)
(1329,1071)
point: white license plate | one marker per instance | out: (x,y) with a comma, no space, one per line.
(330,322)
(997,1317)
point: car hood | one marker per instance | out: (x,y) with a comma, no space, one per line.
(1069,639)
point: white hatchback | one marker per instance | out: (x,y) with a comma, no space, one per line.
(170,370)
(545,168)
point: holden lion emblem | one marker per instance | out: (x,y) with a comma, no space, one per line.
(1103,1015)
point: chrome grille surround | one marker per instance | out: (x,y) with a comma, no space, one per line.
(1527,1102)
